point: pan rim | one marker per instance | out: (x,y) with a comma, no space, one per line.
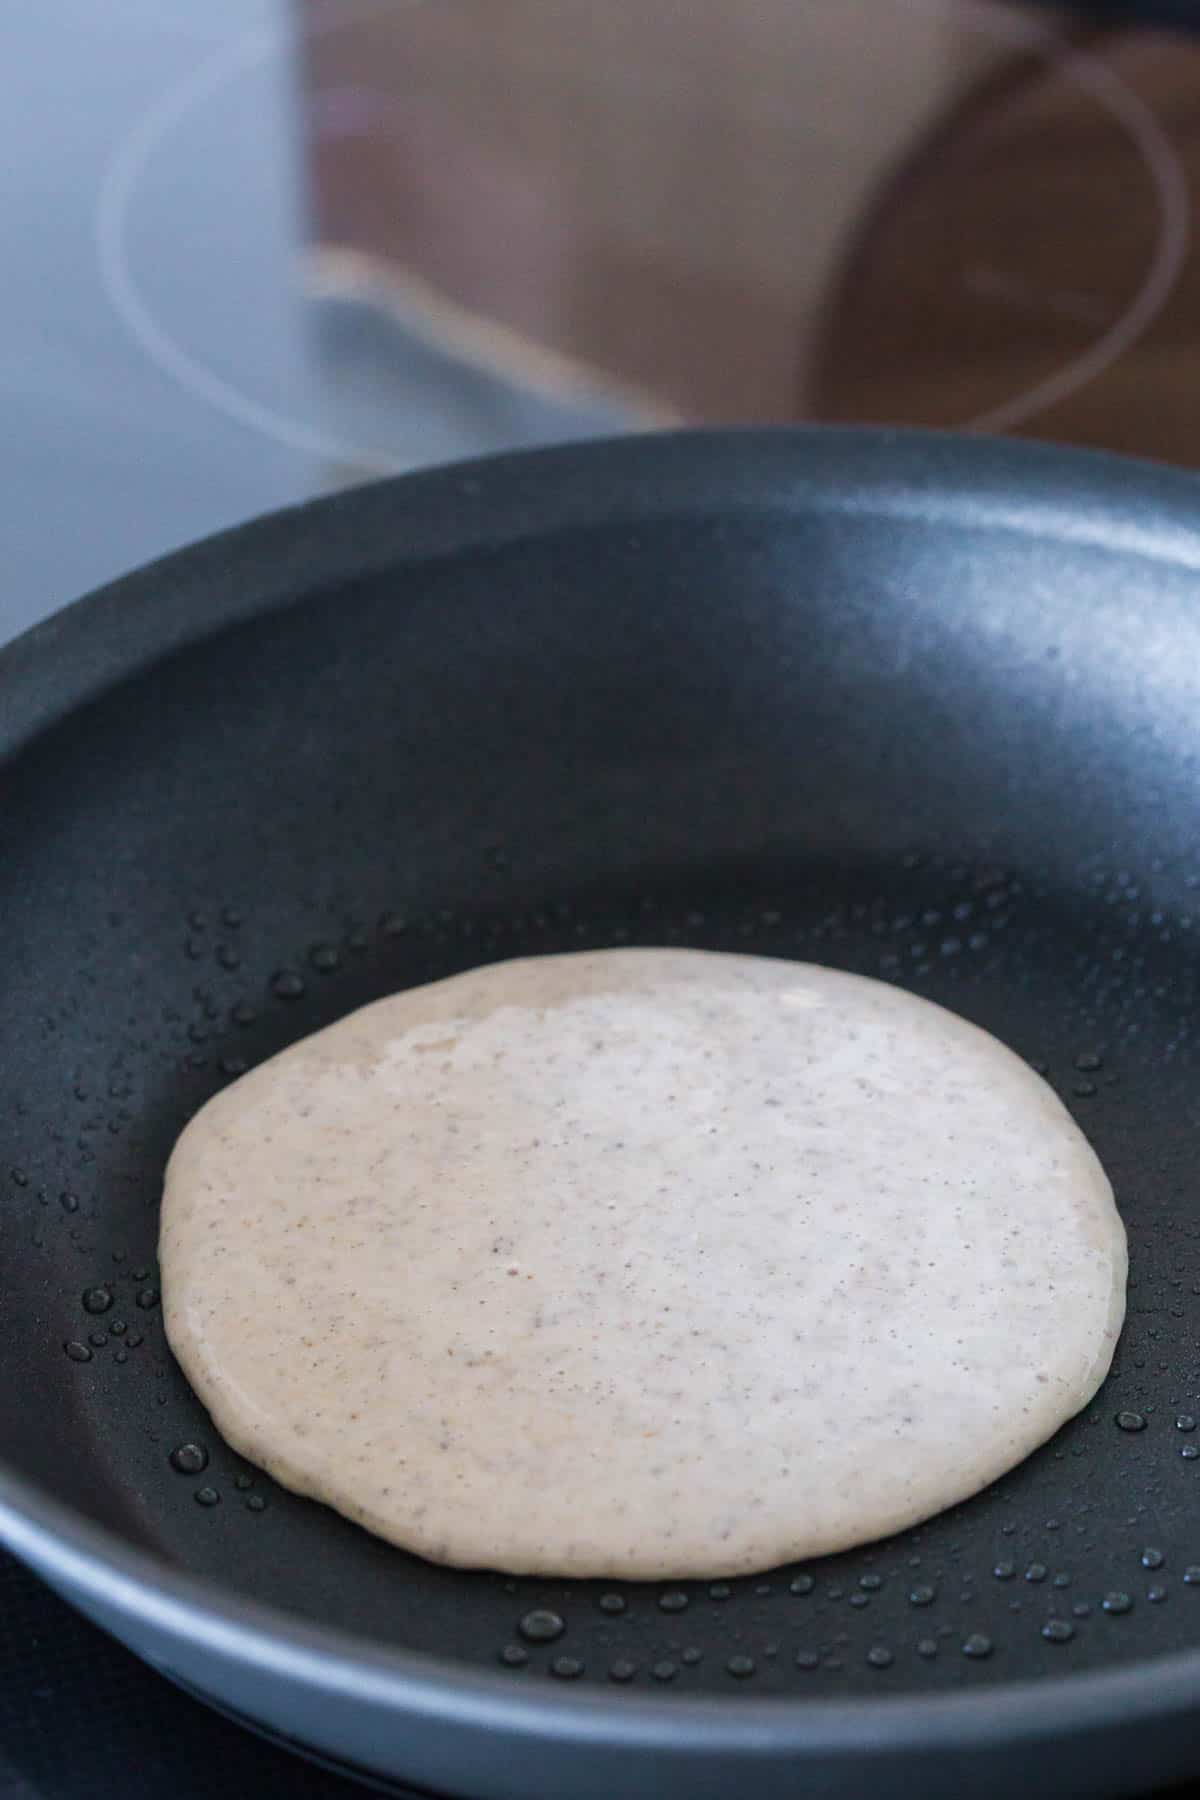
(1114,503)
(1117,503)
(89,1560)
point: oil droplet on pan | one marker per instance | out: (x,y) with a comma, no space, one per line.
(542,1626)
(189,1459)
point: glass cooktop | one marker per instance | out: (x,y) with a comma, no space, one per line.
(262,248)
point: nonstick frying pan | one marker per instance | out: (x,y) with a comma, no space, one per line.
(921,707)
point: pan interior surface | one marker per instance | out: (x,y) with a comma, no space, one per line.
(954,752)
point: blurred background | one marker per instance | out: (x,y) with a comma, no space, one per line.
(259,249)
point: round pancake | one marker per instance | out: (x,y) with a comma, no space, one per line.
(640,1263)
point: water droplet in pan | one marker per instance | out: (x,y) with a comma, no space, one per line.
(1130,1421)
(189,1459)
(206,1496)
(1058,1631)
(97,1299)
(78,1352)
(286,984)
(541,1626)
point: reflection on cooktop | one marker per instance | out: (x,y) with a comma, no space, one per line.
(918,210)
(532,220)
(289,244)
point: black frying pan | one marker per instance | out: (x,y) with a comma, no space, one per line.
(915,706)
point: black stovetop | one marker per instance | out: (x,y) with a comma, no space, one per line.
(259,249)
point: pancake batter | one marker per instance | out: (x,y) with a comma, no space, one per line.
(646,1263)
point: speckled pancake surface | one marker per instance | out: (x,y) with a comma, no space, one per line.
(642,1263)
